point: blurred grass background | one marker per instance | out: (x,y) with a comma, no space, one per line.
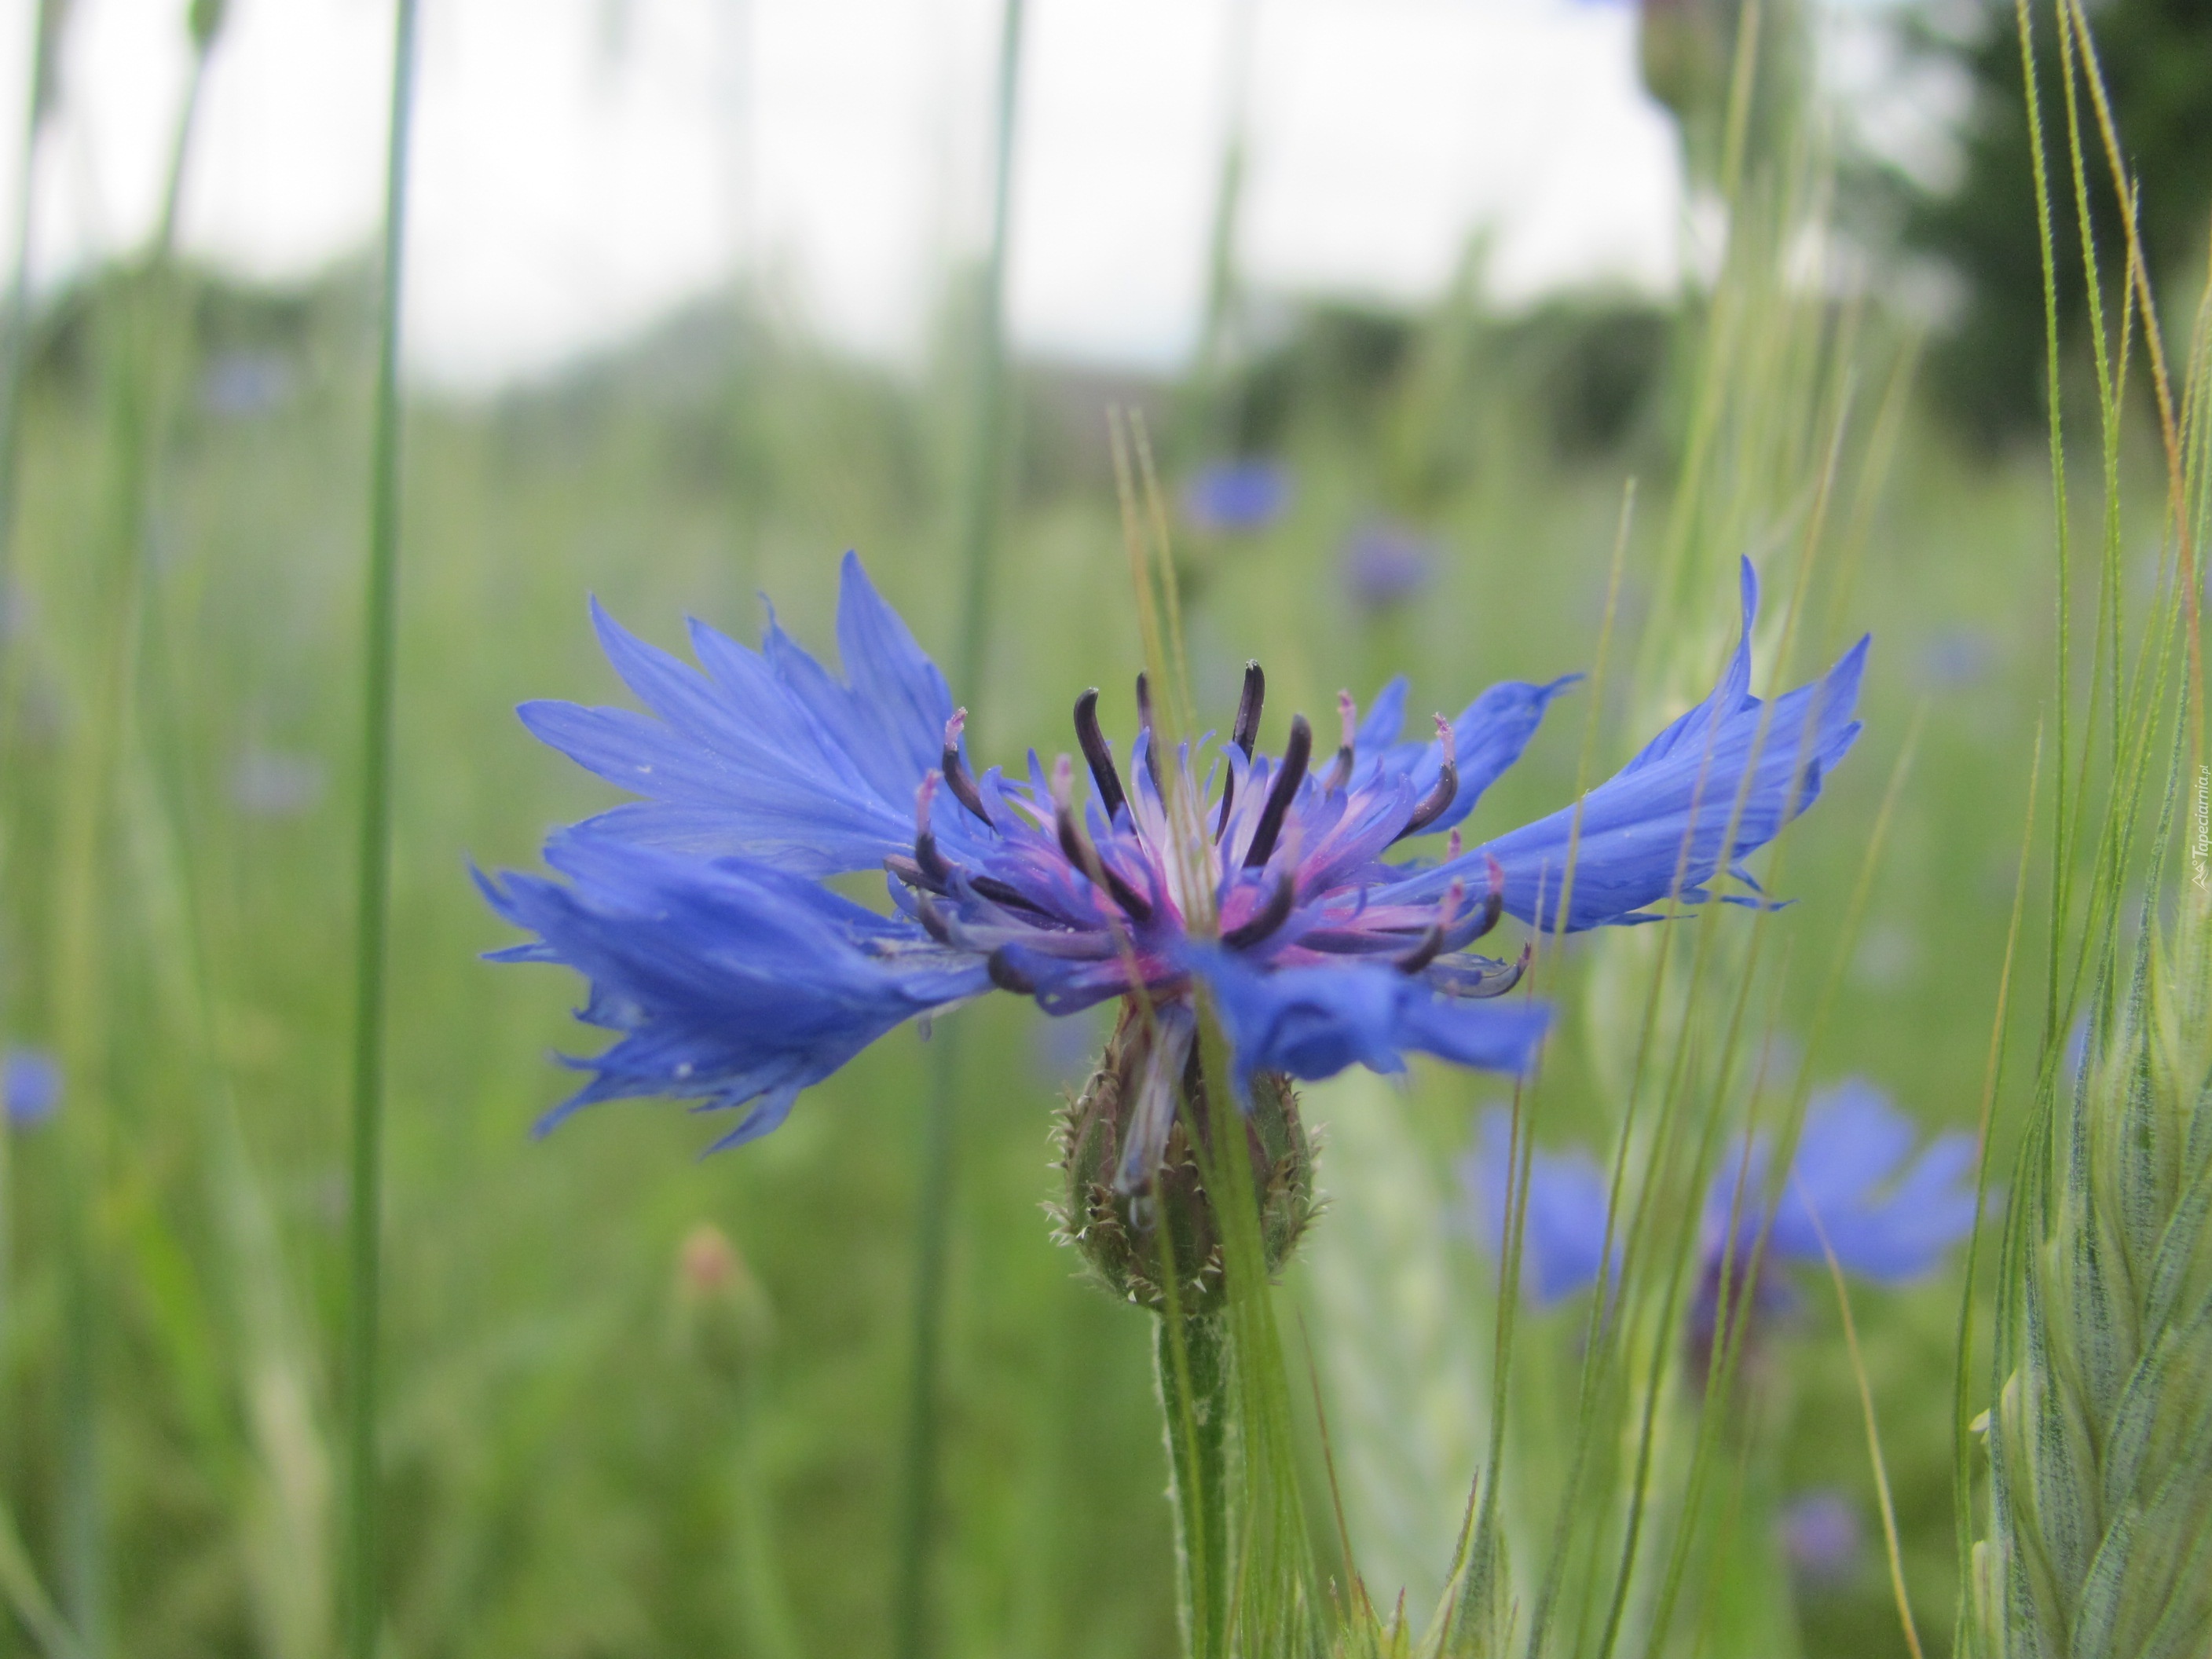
(581,1460)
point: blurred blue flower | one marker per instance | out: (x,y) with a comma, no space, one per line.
(1957,658)
(1386,564)
(241,385)
(1238,498)
(1886,1217)
(732,977)
(1560,1249)
(1821,1538)
(30,1086)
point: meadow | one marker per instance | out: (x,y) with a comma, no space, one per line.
(637,1400)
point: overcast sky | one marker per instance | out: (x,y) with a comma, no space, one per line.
(582,165)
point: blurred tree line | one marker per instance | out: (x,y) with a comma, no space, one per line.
(1987,368)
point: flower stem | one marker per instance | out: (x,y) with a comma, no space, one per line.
(380,629)
(932,1228)
(1191,1361)
(979,517)
(15,323)
(1206,428)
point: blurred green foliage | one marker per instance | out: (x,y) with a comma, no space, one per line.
(569,1474)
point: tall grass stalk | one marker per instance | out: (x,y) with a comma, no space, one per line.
(982,486)
(266,1451)
(14,353)
(1205,426)
(24,1593)
(2100,1534)
(1771,391)
(1964,1390)
(27,1598)
(363,1604)
(98,822)
(1893,1557)
(1472,1618)
(2062,861)
(15,323)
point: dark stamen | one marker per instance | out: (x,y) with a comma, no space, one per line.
(1431,943)
(1005,976)
(911,873)
(1447,785)
(1006,894)
(1296,752)
(1084,857)
(1493,903)
(1111,798)
(933,918)
(956,776)
(1429,948)
(1246,733)
(1266,919)
(1347,719)
(1145,723)
(932,863)
(1228,795)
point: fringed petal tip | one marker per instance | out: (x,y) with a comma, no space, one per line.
(818,980)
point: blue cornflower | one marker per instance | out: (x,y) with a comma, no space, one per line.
(1821,1538)
(1887,1218)
(1237,497)
(732,976)
(30,1086)
(1386,564)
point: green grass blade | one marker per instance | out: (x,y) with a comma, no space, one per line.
(364,1237)
(984,483)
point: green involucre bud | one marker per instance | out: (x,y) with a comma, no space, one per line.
(724,1317)
(1684,49)
(1117,1226)
(207,20)
(1687,51)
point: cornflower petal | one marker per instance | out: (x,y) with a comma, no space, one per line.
(1490,734)
(1661,825)
(766,755)
(1887,1218)
(1311,1022)
(730,982)
(1883,1221)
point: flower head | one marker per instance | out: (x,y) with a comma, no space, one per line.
(1230,498)
(30,1087)
(1821,1538)
(1386,564)
(1273,883)
(1854,1188)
